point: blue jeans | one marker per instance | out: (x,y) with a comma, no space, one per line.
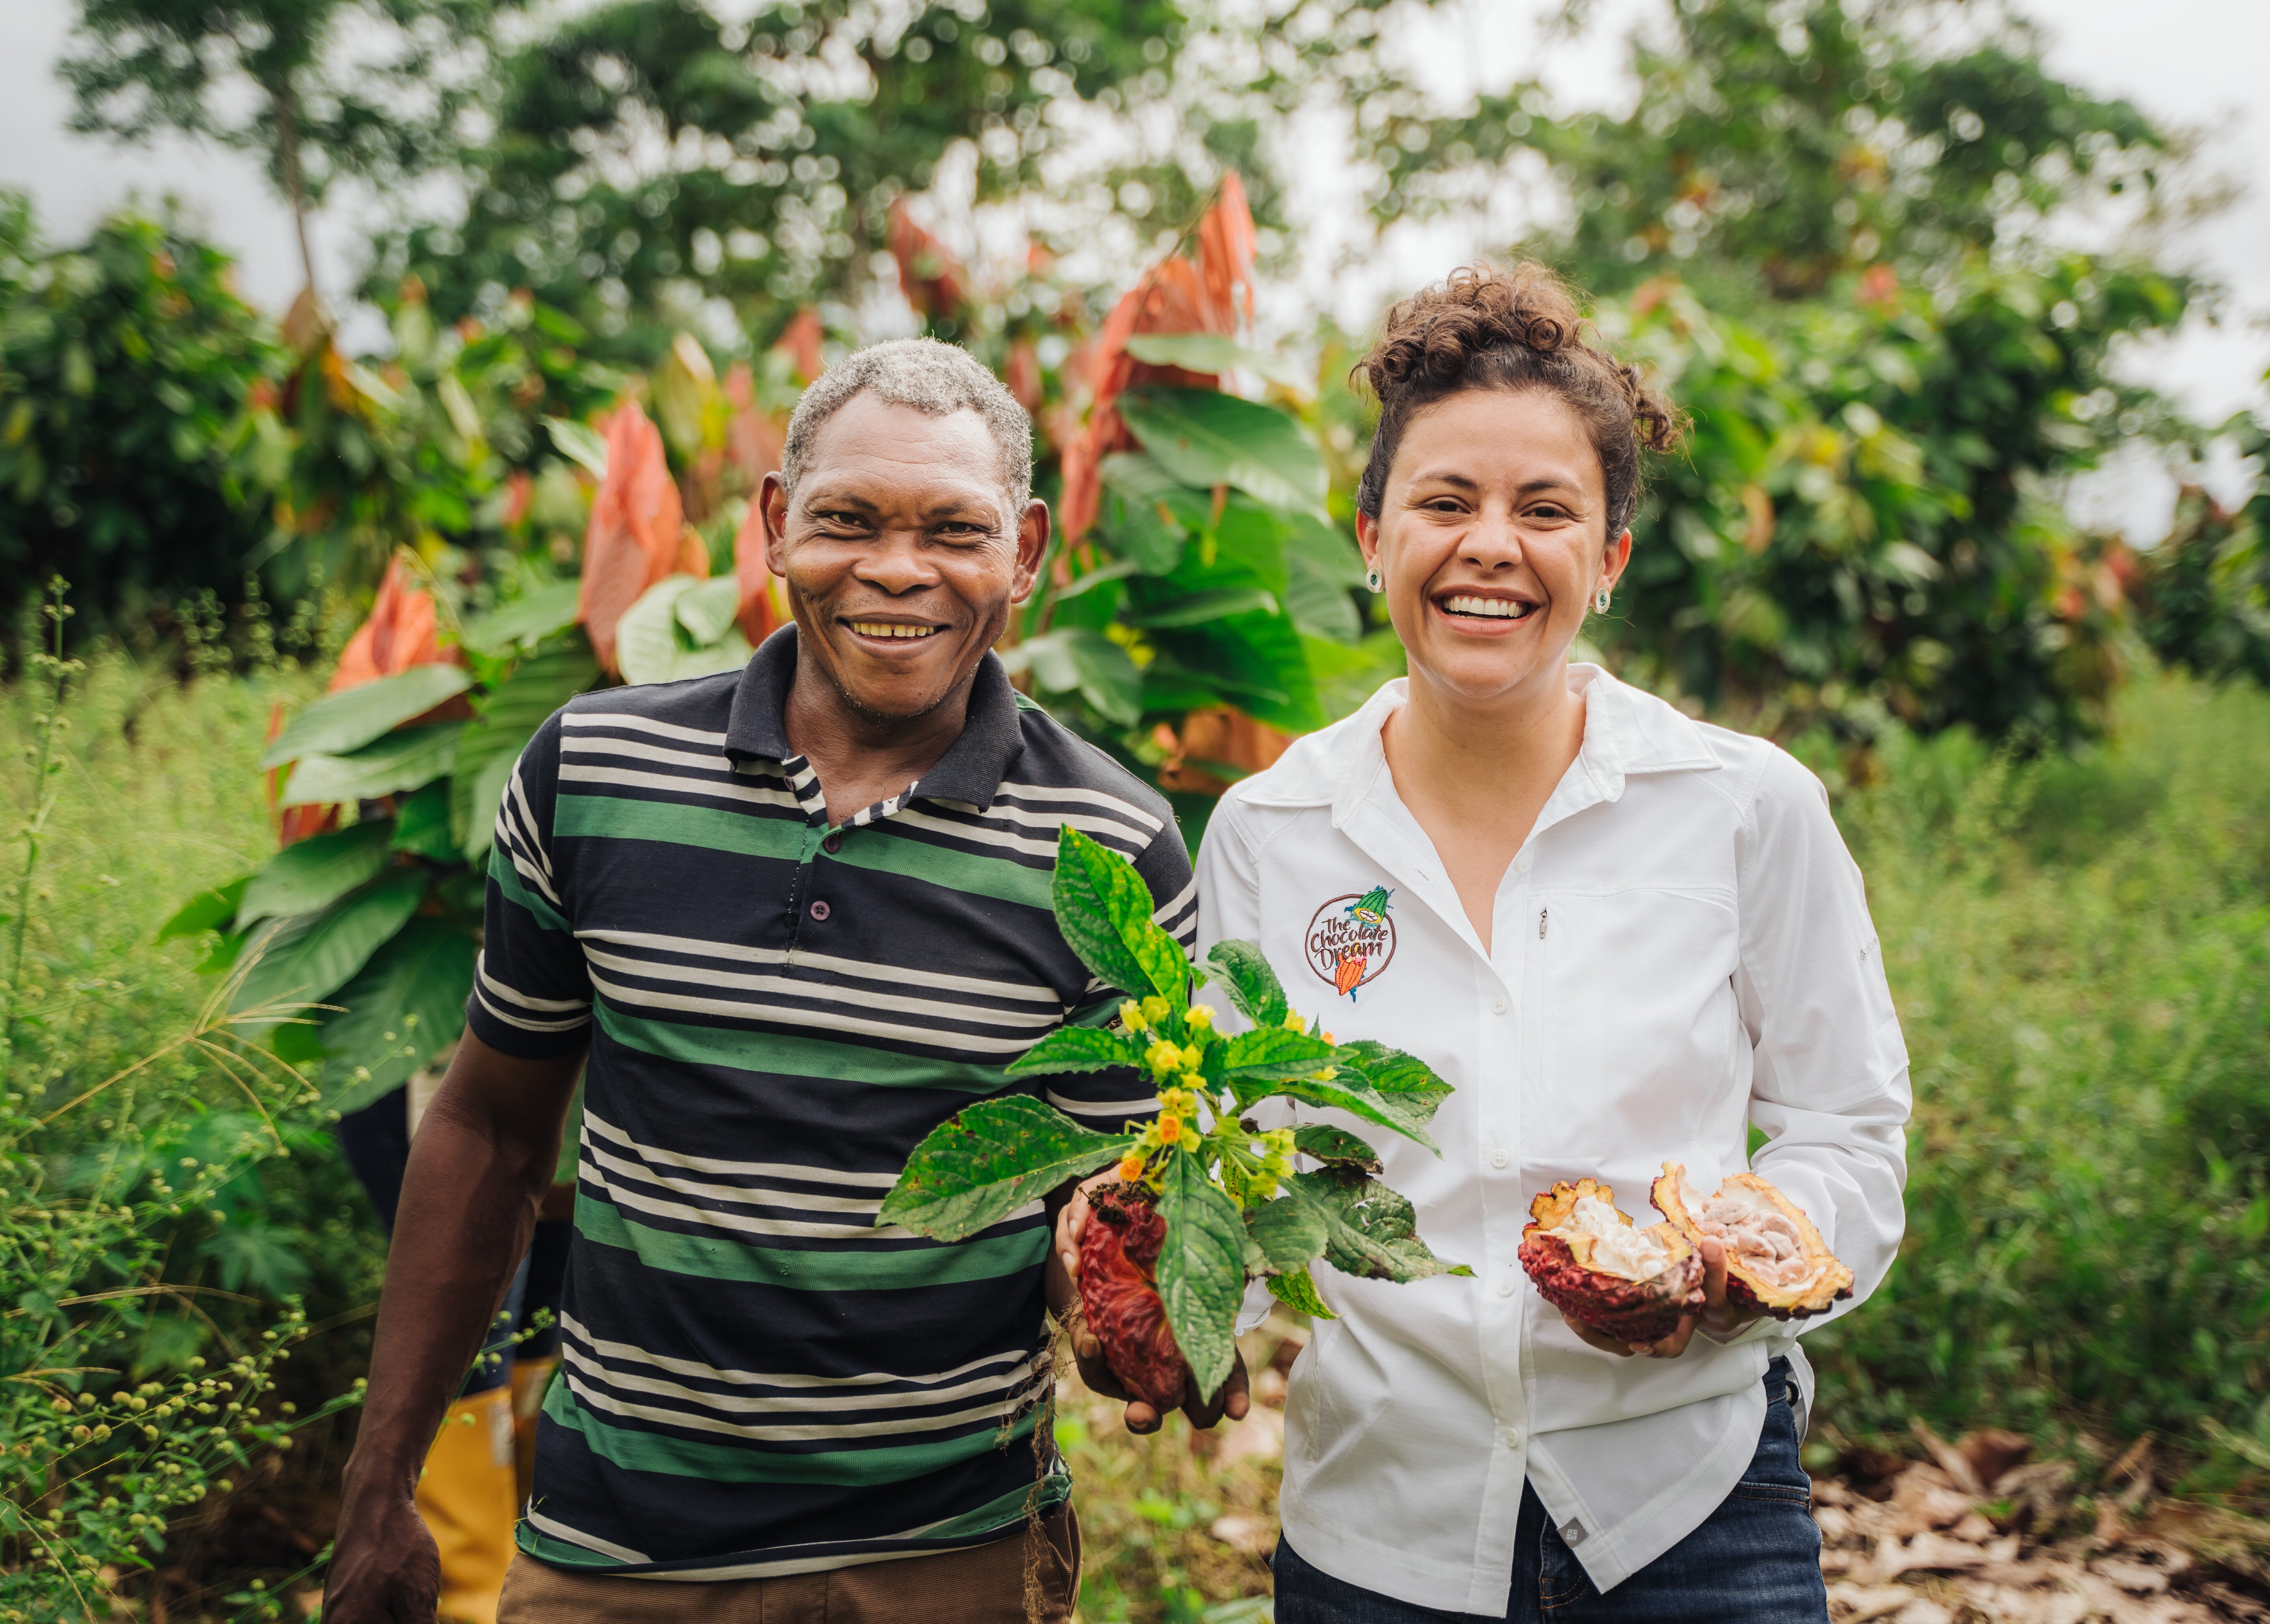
(1756,1560)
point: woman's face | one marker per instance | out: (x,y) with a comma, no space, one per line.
(1492,537)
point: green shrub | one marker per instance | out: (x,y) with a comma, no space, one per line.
(167,1197)
(123,365)
(2080,952)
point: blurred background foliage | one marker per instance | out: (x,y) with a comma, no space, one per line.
(1831,232)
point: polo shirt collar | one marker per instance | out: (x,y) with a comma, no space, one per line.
(969,771)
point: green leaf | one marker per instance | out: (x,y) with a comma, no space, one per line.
(1253,986)
(1201,607)
(1349,1093)
(1273,1054)
(1206,439)
(1329,1144)
(972,1172)
(305,959)
(509,717)
(707,611)
(1201,1270)
(1406,1079)
(1370,1230)
(1213,352)
(315,872)
(421,822)
(400,1008)
(1076,1048)
(651,646)
(1287,1232)
(208,910)
(1103,909)
(526,621)
(1298,1290)
(408,759)
(1081,659)
(338,723)
(581,443)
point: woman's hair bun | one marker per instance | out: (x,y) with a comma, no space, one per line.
(1515,330)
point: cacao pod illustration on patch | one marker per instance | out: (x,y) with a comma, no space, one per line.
(1205,1199)
(1347,973)
(1592,1263)
(1775,1259)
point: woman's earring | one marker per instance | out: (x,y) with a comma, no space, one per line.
(1371,579)
(1600,600)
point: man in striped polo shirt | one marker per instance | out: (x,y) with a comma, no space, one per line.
(796,916)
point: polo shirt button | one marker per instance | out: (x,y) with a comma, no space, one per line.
(1497,1005)
(819,910)
(833,843)
(1498,1158)
(1505,1287)
(1521,863)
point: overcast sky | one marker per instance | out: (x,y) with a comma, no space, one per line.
(2198,63)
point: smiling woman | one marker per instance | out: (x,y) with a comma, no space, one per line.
(1624,937)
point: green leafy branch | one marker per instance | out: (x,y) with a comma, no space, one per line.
(1234,1207)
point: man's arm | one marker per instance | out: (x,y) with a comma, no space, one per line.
(483,1160)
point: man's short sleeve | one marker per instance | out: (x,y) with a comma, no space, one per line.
(1107,1101)
(532,988)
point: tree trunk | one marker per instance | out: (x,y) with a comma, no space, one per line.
(287,158)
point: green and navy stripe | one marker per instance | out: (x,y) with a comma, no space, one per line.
(756,1378)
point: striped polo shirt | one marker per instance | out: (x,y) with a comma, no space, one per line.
(756,1380)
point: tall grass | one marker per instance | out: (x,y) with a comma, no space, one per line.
(2080,950)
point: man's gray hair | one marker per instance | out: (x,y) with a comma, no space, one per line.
(935,379)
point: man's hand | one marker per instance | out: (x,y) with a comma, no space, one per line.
(389,1572)
(1719,1319)
(479,1168)
(1063,1300)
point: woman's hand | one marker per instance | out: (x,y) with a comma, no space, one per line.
(1063,1278)
(1720,1318)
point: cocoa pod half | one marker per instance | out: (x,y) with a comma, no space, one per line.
(1119,1294)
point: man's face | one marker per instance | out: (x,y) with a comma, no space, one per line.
(901,553)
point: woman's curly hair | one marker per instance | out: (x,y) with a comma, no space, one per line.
(1518,330)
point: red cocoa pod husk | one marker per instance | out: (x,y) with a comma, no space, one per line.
(1119,1294)
(1613,1304)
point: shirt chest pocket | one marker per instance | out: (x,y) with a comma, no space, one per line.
(1634,1034)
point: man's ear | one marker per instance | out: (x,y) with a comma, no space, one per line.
(1032,545)
(772,505)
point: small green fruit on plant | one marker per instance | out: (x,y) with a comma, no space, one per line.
(1207,1200)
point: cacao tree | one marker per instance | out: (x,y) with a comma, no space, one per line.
(1211,1200)
(369,88)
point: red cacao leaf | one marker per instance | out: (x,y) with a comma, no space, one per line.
(1226,243)
(800,342)
(633,537)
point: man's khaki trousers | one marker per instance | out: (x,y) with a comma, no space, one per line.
(984,1584)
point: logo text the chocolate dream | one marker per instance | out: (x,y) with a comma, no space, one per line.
(1351,939)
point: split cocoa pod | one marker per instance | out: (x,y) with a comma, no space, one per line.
(1593,1263)
(1775,1259)
(1601,1269)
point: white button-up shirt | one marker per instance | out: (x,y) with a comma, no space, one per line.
(1682,948)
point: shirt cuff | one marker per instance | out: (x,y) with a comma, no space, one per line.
(560,1035)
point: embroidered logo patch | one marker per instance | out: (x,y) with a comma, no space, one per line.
(1351,939)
